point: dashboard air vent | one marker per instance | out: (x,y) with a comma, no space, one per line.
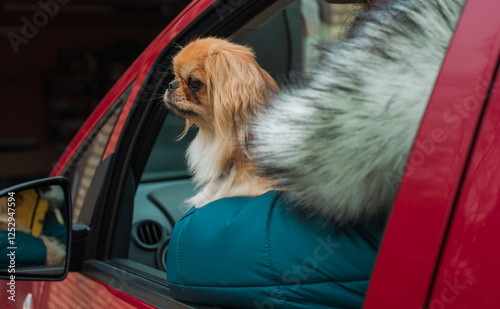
(149,233)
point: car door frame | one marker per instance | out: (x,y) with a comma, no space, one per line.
(412,246)
(467,274)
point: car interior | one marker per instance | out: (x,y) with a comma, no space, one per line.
(284,42)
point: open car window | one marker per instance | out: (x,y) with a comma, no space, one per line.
(165,183)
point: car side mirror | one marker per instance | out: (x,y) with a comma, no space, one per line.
(35,230)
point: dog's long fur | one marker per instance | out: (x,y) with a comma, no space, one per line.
(234,89)
(338,142)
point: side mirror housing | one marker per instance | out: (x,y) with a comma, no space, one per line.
(35,230)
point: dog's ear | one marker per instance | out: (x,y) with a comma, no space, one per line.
(237,86)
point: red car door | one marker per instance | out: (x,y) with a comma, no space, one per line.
(431,197)
(469,268)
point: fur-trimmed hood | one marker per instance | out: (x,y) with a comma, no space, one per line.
(338,142)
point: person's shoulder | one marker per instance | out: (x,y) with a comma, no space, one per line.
(236,207)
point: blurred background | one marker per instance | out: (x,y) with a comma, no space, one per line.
(58,59)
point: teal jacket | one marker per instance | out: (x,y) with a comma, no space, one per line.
(30,250)
(244,252)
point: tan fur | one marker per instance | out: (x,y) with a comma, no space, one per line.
(234,90)
(4,216)
(56,251)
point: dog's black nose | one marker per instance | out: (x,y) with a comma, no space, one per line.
(173,85)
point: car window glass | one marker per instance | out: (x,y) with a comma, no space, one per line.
(81,169)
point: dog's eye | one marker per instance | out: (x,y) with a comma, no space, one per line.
(194,83)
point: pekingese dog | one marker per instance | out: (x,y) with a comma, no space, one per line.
(219,87)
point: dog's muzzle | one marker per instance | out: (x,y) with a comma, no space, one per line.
(173,86)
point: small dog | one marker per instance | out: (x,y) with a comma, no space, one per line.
(219,87)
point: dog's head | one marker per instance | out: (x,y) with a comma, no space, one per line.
(218,85)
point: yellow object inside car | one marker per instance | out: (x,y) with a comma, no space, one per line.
(31,210)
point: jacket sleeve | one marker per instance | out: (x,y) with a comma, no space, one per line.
(30,250)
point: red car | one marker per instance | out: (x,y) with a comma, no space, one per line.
(128,176)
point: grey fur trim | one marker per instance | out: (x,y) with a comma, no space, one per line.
(336,142)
